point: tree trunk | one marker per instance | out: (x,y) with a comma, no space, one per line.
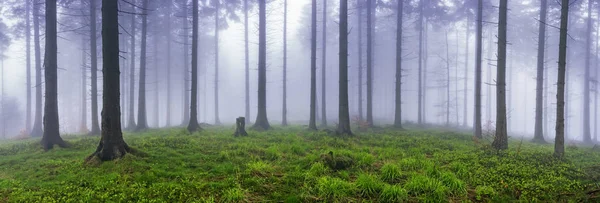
(142,119)
(477,119)
(83,127)
(240,127)
(344,109)
(262,123)
(313,67)
(360,59)
(559,140)
(597,82)
(131,121)
(466,76)
(168,32)
(111,146)
(155,61)
(284,121)
(398,101)
(370,62)
(324,68)
(586,86)
(489,81)
(36,130)
(186,72)
(501,139)
(193,125)
(447,81)
(94,69)
(217,120)
(247,59)
(28,63)
(420,86)
(51,135)
(538,135)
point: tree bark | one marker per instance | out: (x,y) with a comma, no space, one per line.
(538,135)
(94,69)
(313,68)
(559,140)
(262,123)
(344,109)
(186,72)
(217,120)
(489,80)
(477,119)
(168,32)
(247,59)
(36,130)
(466,76)
(370,62)
(142,119)
(111,146)
(586,86)
(597,81)
(501,139)
(193,124)
(83,126)
(284,121)
(398,101)
(360,59)
(155,61)
(447,81)
(420,86)
(51,135)
(324,68)
(28,63)
(131,121)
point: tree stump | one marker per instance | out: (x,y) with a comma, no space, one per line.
(240,127)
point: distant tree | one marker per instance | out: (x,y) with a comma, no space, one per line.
(501,139)
(142,118)
(186,64)
(94,68)
(261,118)
(538,135)
(559,140)
(398,102)
(36,130)
(360,19)
(284,121)
(28,63)
(247,61)
(111,146)
(586,81)
(83,126)
(323,68)
(51,134)
(478,59)
(370,62)
(313,67)
(193,125)
(344,114)
(420,85)
(217,27)
(131,120)
(169,65)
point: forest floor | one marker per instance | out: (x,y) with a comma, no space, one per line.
(294,165)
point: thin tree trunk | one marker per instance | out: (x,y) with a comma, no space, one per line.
(83,126)
(193,125)
(466,76)
(28,63)
(131,121)
(284,121)
(168,31)
(420,86)
(217,120)
(596,81)
(51,135)
(447,81)
(324,68)
(489,80)
(586,86)
(425,60)
(501,139)
(94,69)
(142,119)
(398,101)
(360,59)
(370,62)
(186,72)
(538,135)
(344,114)
(478,55)
(156,78)
(262,123)
(111,146)
(313,67)
(559,140)
(247,60)
(36,130)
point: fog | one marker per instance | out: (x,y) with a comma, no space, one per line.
(446,29)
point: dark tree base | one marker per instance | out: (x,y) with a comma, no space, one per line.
(539,141)
(240,127)
(110,151)
(193,127)
(48,143)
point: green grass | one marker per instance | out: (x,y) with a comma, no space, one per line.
(286,164)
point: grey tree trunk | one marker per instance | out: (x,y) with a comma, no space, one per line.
(344,114)
(28,63)
(186,70)
(501,139)
(111,146)
(36,130)
(488,74)
(447,81)
(94,69)
(83,126)
(284,121)
(142,119)
(477,131)
(262,123)
(360,59)
(586,82)
(217,120)
(466,76)
(247,60)
(597,81)
(324,68)
(193,125)
(559,140)
(370,62)
(398,101)
(420,86)
(131,121)
(168,69)
(538,135)
(156,75)
(313,67)
(51,134)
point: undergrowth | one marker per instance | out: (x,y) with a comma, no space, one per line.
(286,164)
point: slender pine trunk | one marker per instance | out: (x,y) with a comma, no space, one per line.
(324,68)
(284,121)
(262,123)
(28,64)
(186,66)
(586,86)
(398,101)
(538,135)
(360,59)
(559,140)
(344,114)
(193,124)
(131,121)
(477,131)
(370,62)
(501,139)
(142,118)
(217,120)
(168,69)
(94,69)
(313,67)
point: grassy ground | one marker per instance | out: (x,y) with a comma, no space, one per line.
(290,165)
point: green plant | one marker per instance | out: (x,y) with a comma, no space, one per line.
(334,188)
(425,186)
(235,194)
(390,173)
(483,191)
(368,185)
(393,193)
